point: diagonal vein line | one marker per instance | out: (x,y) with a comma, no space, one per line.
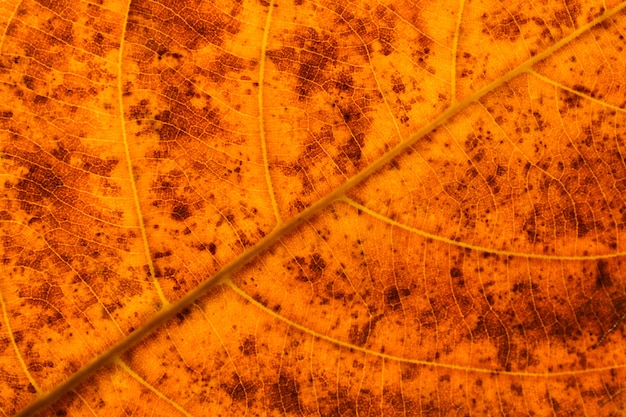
(578,93)
(400,359)
(119,362)
(169,311)
(20,358)
(483,249)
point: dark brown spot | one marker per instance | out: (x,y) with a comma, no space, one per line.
(284,395)
(162,254)
(182,315)
(181,212)
(603,279)
(239,390)
(317,264)
(248,346)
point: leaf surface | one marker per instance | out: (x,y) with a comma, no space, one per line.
(312,208)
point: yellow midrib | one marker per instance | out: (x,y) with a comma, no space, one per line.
(170,310)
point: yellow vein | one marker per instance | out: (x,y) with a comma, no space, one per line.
(86,403)
(131,173)
(266,164)
(578,93)
(452,242)
(119,362)
(20,358)
(278,233)
(455,50)
(394,358)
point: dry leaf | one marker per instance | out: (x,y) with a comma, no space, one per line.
(313,208)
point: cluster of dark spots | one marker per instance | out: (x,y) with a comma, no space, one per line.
(210,247)
(353,149)
(59,28)
(603,279)
(397,84)
(457,276)
(423,52)
(504,29)
(393,297)
(140,111)
(182,315)
(260,299)
(98,166)
(166,272)
(491,327)
(181,212)
(359,335)
(158,255)
(309,59)
(583,89)
(312,273)
(169,130)
(531,227)
(284,395)
(248,346)
(195,28)
(240,389)
(38,184)
(224,64)
(567,17)
(345,82)
(522,287)
(572,101)
(317,264)
(386,37)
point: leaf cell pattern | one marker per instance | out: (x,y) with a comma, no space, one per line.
(332,208)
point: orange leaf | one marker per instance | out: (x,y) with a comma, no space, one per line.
(312,208)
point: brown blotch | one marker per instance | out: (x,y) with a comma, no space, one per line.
(224,64)
(212,248)
(582,89)
(98,166)
(182,315)
(508,28)
(345,83)
(317,264)
(248,346)
(603,279)
(316,53)
(392,297)
(397,85)
(239,390)
(284,395)
(181,212)
(359,335)
(158,255)
(354,148)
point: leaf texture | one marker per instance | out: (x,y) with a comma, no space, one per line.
(319,207)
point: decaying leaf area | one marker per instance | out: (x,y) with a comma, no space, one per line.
(312,208)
